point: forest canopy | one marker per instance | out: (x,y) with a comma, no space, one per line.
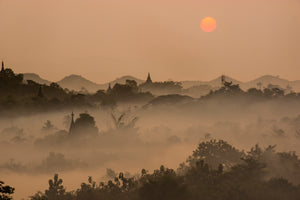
(250,175)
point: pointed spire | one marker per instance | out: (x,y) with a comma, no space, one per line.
(72,124)
(2,69)
(149,80)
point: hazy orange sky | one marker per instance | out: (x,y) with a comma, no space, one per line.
(105,39)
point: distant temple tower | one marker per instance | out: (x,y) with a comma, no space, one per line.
(149,80)
(72,124)
(2,69)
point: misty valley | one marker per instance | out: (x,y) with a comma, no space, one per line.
(149,100)
(149,140)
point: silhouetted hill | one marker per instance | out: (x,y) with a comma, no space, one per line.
(122,80)
(213,83)
(217,82)
(198,90)
(265,81)
(36,78)
(77,82)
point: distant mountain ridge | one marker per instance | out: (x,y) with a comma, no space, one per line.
(36,78)
(213,83)
(264,80)
(77,82)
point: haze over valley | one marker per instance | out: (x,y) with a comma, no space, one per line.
(149,100)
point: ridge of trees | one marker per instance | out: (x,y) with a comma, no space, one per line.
(238,175)
(30,97)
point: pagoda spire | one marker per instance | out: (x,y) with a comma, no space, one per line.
(72,124)
(2,69)
(149,80)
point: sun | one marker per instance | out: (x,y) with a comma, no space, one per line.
(208,24)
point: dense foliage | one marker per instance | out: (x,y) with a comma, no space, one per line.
(29,97)
(18,96)
(250,178)
(5,191)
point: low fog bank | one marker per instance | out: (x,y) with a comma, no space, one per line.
(266,164)
(132,137)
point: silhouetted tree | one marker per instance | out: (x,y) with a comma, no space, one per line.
(48,126)
(85,125)
(167,87)
(216,152)
(245,180)
(120,124)
(163,184)
(55,85)
(126,91)
(56,189)
(6,191)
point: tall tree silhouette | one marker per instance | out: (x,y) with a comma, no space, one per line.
(56,189)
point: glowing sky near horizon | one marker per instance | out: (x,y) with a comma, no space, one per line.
(105,39)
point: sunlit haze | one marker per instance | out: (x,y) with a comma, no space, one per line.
(102,39)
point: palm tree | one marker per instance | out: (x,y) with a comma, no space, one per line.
(56,189)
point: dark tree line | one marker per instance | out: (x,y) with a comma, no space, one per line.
(238,176)
(28,96)
(272,91)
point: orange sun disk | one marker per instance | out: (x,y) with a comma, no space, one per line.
(208,24)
